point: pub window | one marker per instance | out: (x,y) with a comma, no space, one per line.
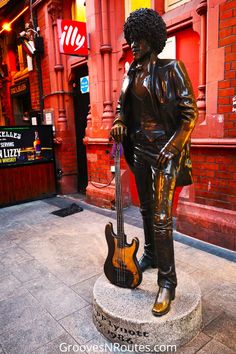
(171,4)
(132,5)
(78,11)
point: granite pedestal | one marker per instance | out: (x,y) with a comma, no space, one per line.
(124,316)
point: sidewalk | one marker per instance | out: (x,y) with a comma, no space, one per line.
(49,264)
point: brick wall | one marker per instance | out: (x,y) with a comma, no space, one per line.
(33,76)
(99,162)
(45,56)
(100,190)
(34,89)
(215,177)
(227,87)
(101,181)
(214,168)
(207,210)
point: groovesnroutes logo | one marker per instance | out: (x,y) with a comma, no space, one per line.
(116,347)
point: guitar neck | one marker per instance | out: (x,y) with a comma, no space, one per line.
(119,208)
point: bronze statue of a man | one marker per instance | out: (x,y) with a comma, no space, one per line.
(155,116)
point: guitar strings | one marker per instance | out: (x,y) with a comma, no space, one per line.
(117,208)
(119,215)
(120,226)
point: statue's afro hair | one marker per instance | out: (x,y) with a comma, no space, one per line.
(146,24)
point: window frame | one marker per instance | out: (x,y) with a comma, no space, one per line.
(172,4)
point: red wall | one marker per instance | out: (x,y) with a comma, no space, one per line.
(208,209)
(187,50)
(214,169)
(215,177)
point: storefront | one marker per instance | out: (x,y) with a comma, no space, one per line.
(27,164)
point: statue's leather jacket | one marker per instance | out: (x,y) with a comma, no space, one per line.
(174,104)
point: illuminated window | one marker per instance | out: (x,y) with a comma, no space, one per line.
(78,12)
(131,5)
(22,60)
(171,4)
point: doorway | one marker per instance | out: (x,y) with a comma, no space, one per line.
(81,109)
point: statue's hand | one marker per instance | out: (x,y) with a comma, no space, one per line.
(166,154)
(118,131)
(164,157)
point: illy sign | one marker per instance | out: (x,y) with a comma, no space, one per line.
(72,37)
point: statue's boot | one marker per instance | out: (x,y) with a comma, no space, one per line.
(163,301)
(148,259)
(167,280)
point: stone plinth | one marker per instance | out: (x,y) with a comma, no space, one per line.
(124,316)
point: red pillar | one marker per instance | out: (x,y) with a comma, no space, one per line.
(105,81)
(201,100)
(54,9)
(106,50)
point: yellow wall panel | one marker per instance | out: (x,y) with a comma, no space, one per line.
(78,11)
(137,4)
(131,5)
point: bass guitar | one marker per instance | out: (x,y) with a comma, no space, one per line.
(121,266)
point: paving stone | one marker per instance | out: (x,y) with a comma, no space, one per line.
(85,288)
(223,297)
(80,325)
(60,302)
(31,335)
(99,345)
(223,330)
(3,271)
(28,270)
(61,246)
(14,255)
(208,262)
(65,343)
(214,347)
(202,278)
(17,310)
(46,282)
(187,268)
(209,312)
(10,286)
(180,246)
(41,245)
(71,275)
(23,232)
(5,242)
(225,271)
(194,345)
(59,253)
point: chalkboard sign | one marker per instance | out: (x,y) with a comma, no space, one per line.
(26,145)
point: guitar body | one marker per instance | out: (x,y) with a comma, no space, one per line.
(121,266)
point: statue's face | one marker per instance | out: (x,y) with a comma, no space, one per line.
(140,49)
